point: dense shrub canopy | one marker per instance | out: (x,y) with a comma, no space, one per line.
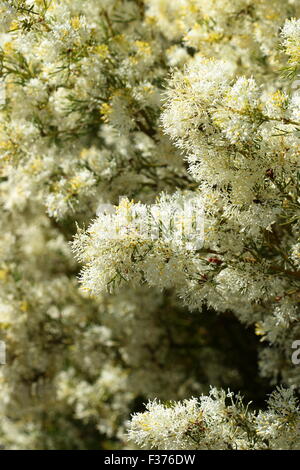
(183,116)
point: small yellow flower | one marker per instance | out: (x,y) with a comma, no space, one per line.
(75,23)
(3,274)
(259,331)
(14,25)
(278,98)
(8,47)
(143,47)
(24,306)
(101,50)
(105,111)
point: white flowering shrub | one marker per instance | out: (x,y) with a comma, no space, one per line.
(150,206)
(219,421)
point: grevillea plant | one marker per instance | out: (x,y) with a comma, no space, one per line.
(150,206)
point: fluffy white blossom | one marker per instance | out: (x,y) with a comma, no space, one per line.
(219,421)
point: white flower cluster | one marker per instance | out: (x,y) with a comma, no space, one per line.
(140,243)
(219,421)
